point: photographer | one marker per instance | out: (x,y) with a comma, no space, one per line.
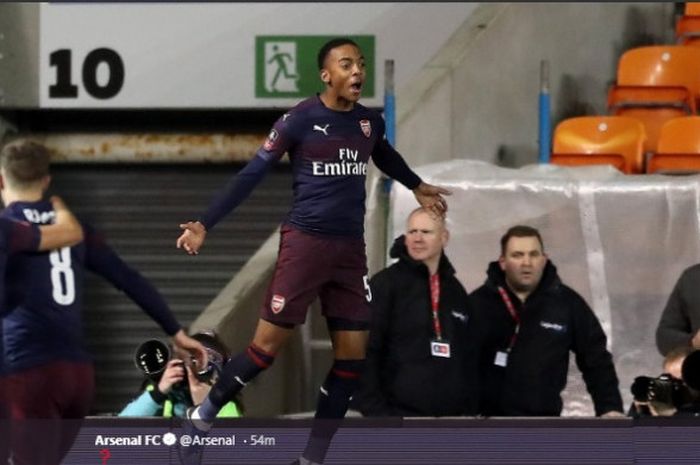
(680,320)
(671,393)
(177,386)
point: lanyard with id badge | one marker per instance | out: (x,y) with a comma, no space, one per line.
(502,355)
(439,347)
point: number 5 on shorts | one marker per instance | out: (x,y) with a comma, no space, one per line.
(368,290)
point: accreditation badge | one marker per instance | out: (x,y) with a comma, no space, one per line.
(440,348)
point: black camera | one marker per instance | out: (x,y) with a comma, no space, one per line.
(664,389)
(153,355)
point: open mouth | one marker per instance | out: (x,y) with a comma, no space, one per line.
(356,87)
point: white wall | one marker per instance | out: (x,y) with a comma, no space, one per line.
(184,55)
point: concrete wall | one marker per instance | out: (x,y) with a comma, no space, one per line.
(19,54)
(478,97)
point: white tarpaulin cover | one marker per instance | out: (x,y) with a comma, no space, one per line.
(620,241)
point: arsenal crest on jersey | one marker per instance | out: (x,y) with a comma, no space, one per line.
(277,303)
(366,127)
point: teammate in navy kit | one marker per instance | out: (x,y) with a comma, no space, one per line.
(21,236)
(50,374)
(330,139)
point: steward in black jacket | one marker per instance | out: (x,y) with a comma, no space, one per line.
(554,321)
(402,378)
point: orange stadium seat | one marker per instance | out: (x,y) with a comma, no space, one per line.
(650,86)
(652,106)
(688,31)
(595,140)
(661,65)
(692,8)
(679,147)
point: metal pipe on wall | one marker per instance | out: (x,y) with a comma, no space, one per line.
(545,123)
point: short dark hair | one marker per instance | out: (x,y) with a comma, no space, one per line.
(25,162)
(330,45)
(520,231)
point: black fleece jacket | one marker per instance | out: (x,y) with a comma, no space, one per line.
(402,377)
(554,321)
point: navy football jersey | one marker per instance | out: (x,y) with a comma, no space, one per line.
(329,151)
(15,236)
(45,294)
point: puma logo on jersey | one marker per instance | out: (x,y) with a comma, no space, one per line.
(323,129)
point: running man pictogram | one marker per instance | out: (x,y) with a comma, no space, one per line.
(279,60)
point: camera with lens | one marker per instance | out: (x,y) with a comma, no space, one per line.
(153,355)
(681,394)
(664,389)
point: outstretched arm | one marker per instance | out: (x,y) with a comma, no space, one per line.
(65,232)
(278,142)
(101,259)
(225,201)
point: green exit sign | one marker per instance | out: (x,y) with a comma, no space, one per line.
(285,66)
